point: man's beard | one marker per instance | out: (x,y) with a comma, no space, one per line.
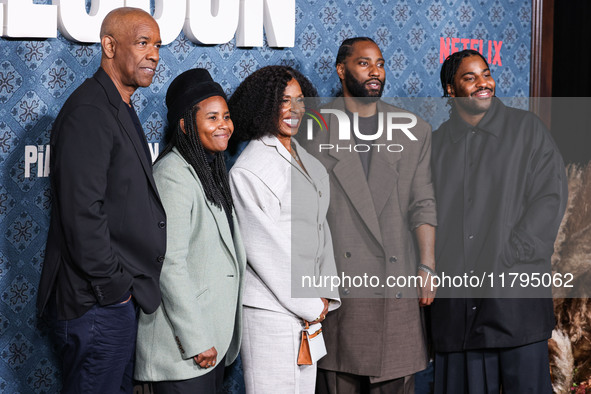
(358,89)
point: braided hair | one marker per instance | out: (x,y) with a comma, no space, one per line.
(346,48)
(450,67)
(214,177)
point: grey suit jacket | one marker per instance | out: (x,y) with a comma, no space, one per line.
(282,215)
(377,331)
(201,281)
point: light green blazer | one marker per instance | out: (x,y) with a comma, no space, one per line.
(201,281)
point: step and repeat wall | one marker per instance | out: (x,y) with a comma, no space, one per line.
(37,75)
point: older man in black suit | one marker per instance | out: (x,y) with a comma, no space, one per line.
(107,236)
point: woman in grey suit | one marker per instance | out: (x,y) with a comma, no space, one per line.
(281,195)
(196,331)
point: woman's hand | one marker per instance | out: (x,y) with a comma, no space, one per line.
(207,358)
(324,312)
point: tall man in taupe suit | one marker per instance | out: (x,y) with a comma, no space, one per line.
(382,206)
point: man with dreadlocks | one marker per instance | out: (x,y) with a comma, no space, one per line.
(184,346)
(501,192)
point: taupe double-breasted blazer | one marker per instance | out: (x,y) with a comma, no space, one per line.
(378,330)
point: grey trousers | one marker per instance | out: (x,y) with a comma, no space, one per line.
(270,346)
(331,382)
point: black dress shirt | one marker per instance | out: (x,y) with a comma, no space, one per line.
(501,193)
(139,130)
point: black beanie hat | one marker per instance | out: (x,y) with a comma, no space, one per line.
(188,89)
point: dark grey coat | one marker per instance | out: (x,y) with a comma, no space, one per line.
(501,193)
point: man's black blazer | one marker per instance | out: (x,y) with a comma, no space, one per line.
(108,227)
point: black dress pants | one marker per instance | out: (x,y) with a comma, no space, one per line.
(518,370)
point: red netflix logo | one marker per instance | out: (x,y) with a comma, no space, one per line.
(449,45)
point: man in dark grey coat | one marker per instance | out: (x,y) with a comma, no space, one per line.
(501,192)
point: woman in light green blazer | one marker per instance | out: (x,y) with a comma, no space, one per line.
(196,331)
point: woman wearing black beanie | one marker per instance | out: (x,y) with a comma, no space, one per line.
(185,345)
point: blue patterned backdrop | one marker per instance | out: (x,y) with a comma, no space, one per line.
(36,77)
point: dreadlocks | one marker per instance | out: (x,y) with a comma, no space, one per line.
(450,67)
(346,48)
(214,178)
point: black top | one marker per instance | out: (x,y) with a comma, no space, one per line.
(501,193)
(139,130)
(367,126)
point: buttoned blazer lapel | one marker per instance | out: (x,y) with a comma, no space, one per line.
(350,175)
(313,173)
(284,153)
(383,175)
(126,123)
